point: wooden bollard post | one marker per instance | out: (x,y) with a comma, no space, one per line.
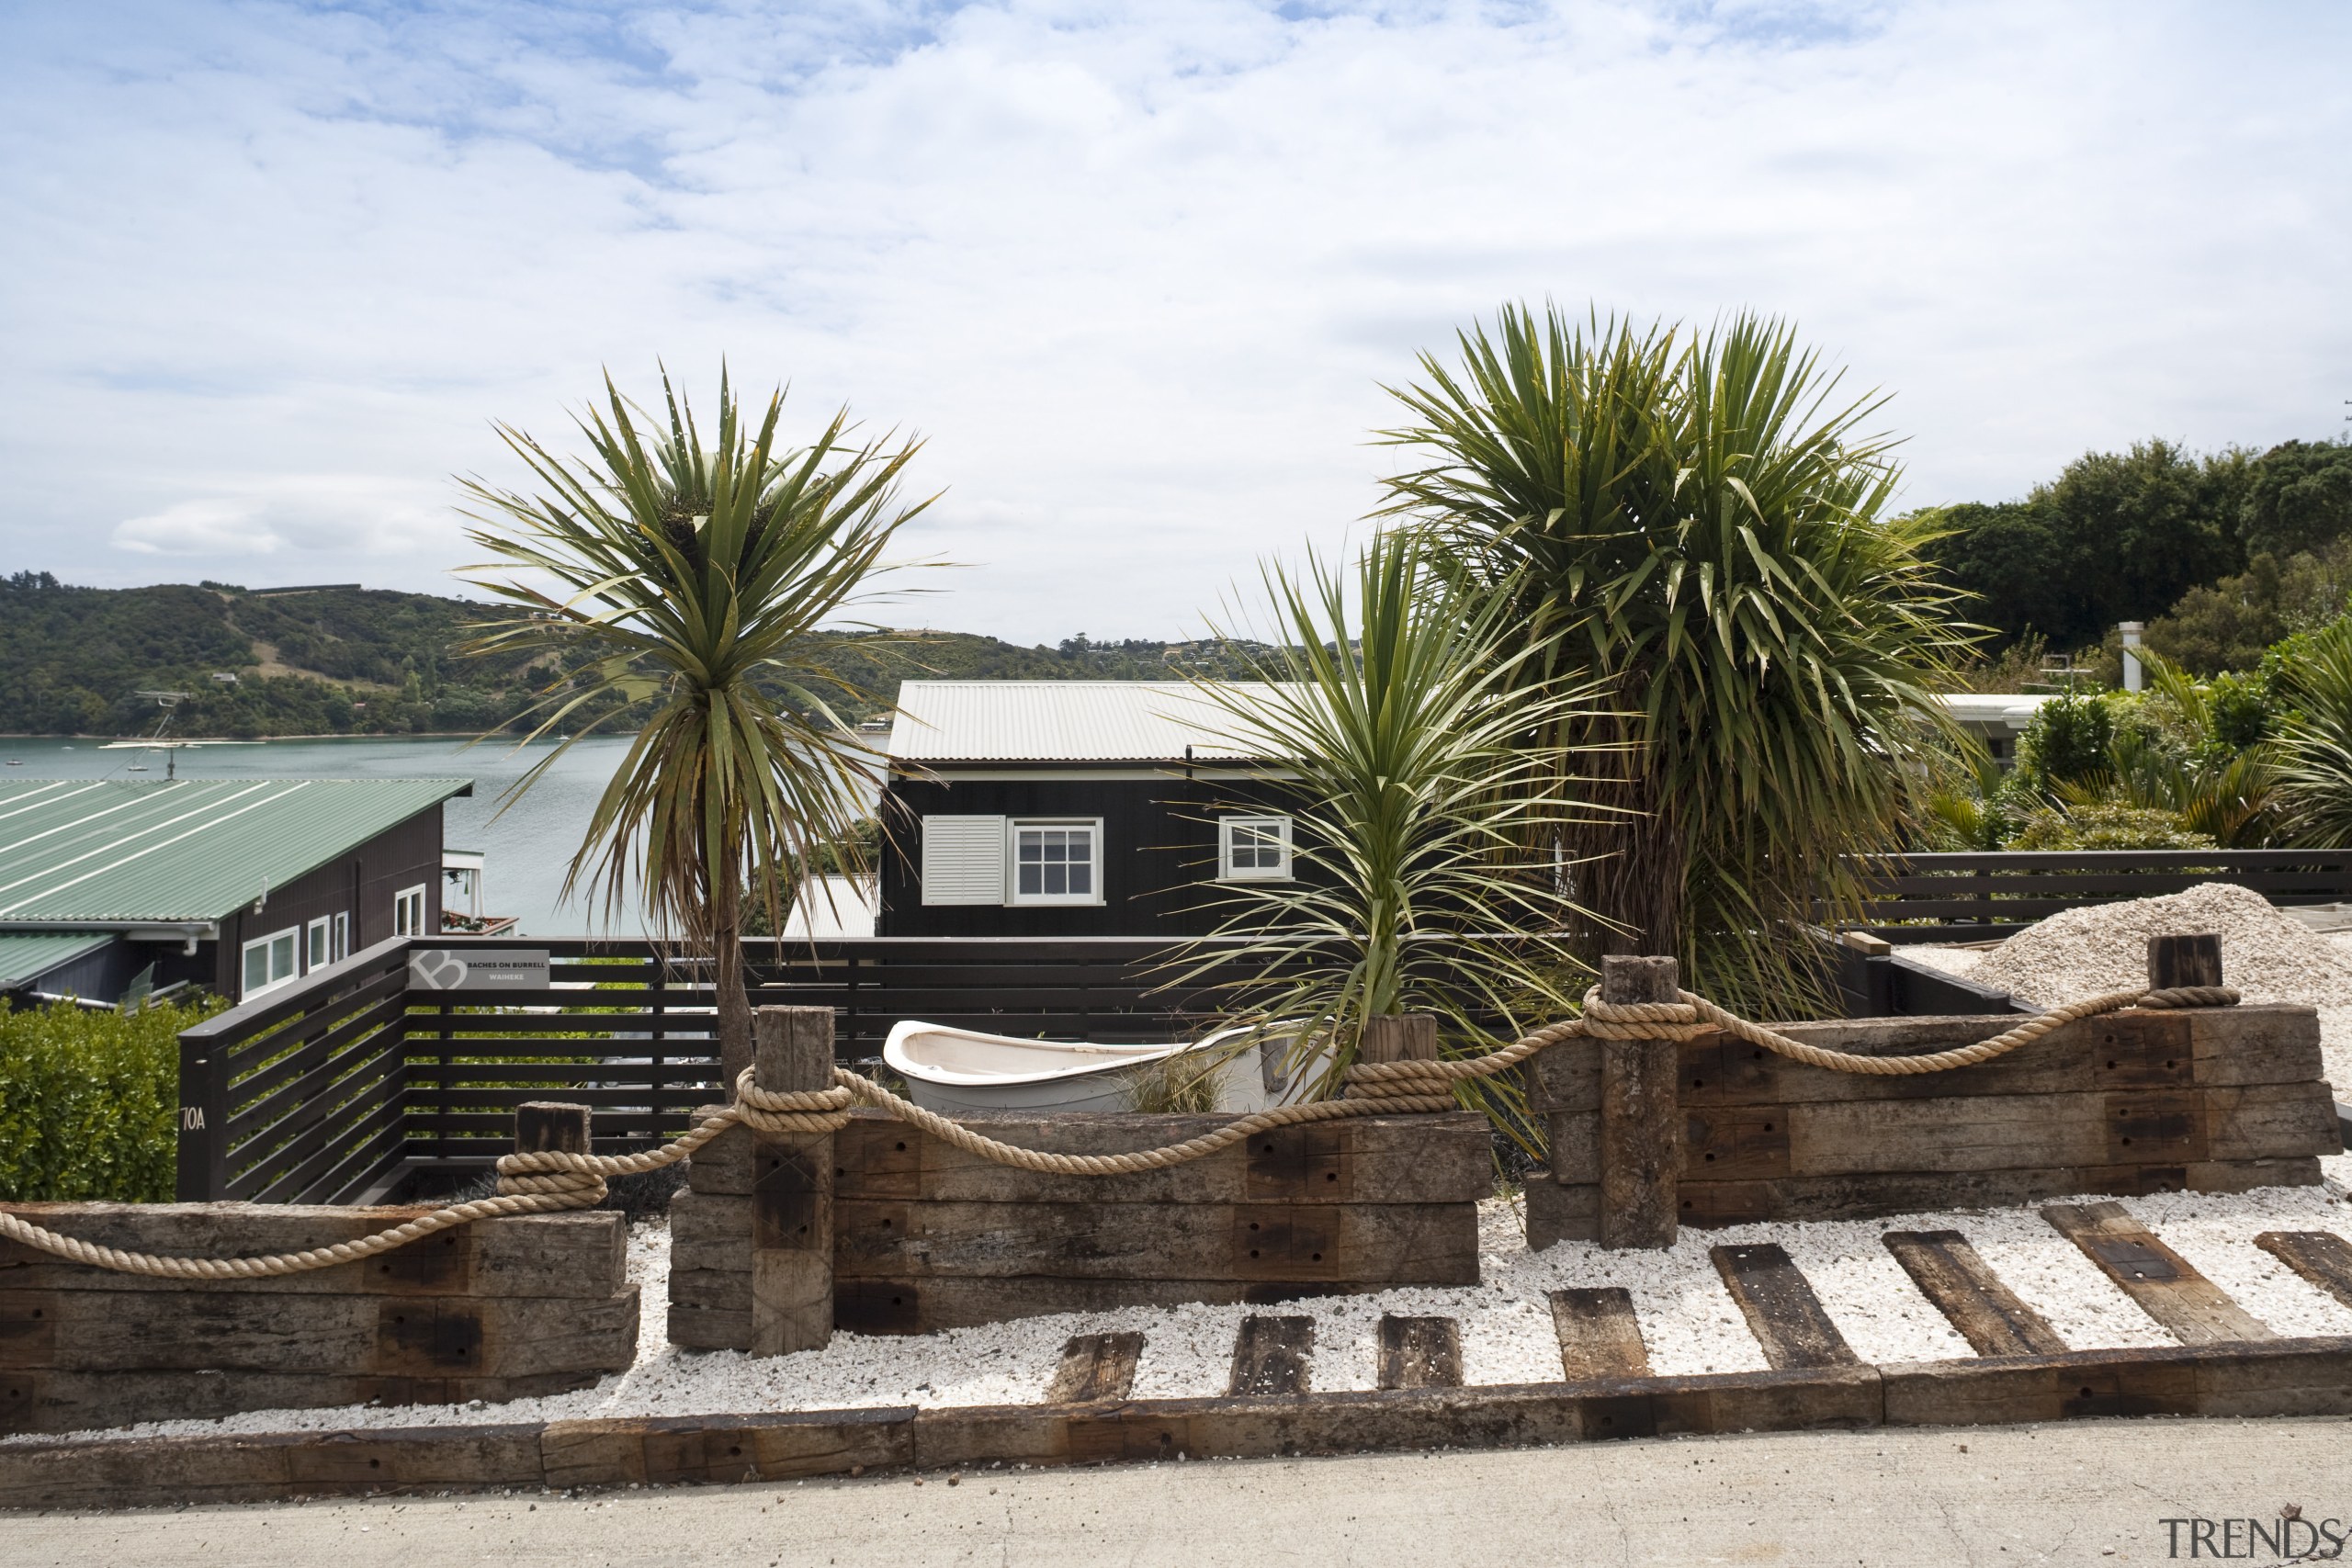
(1398,1037)
(2184,958)
(792,1190)
(546,1127)
(1641,1114)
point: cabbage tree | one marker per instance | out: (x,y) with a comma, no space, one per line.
(1699,524)
(1394,705)
(686,574)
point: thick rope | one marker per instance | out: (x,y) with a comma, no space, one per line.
(550,1181)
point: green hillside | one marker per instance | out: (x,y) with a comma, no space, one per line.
(371,662)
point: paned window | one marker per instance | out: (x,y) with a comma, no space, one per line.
(408,912)
(269,962)
(1056,862)
(1253,849)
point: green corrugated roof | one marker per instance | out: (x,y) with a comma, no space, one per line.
(183,849)
(28,955)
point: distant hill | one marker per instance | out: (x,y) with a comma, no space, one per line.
(348,661)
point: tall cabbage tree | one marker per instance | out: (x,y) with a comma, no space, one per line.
(1698,523)
(688,574)
(1388,698)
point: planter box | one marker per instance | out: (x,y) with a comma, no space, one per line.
(927,1236)
(2213,1100)
(499,1309)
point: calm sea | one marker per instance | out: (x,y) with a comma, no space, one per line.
(528,843)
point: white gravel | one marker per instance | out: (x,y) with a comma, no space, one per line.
(1688,1321)
(2267,955)
(1961,963)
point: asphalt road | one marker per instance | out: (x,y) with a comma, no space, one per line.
(2090,1492)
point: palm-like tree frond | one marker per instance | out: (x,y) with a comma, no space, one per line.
(2315,742)
(1697,524)
(691,575)
(1393,702)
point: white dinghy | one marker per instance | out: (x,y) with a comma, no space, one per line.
(951,1071)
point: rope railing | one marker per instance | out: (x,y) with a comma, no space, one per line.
(547,1181)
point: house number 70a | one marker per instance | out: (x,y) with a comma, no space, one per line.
(191,1119)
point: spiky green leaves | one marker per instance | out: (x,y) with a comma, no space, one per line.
(664,566)
(1425,881)
(1696,522)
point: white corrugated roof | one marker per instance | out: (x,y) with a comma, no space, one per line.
(2014,709)
(1140,721)
(1059,721)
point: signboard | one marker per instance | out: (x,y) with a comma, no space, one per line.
(478,969)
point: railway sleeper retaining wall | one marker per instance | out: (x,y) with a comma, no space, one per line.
(928,1237)
(496,1310)
(2205,1099)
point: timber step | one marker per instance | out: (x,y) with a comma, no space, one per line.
(1599,1330)
(2189,1307)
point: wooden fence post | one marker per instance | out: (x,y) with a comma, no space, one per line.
(546,1126)
(1641,1115)
(2185,958)
(792,1189)
(201,1174)
(1398,1037)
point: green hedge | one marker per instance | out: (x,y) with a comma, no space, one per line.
(87,1102)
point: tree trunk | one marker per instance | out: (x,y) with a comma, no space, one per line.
(1633,852)
(727,979)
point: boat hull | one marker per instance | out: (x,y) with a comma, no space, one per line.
(955,1071)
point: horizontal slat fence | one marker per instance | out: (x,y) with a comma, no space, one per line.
(1985,896)
(351,1085)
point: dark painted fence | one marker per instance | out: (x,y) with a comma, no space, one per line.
(356,1085)
(1875,980)
(1983,896)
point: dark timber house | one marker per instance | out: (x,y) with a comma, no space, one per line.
(1053,808)
(239,886)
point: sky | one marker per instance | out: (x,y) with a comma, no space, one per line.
(1137,274)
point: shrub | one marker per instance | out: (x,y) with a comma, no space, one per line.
(2107,827)
(2240,712)
(2066,739)
(89,1100)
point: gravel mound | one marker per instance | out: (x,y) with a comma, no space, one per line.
(2268,957)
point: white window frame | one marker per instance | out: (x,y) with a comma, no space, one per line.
(339,944)
(1228,829)
(292,937)
(1015,826)
(318,944)
(409,911)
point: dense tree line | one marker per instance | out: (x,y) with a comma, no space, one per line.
(353,662)
(2236,542)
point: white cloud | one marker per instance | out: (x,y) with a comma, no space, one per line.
(205,529)
(342,516)
(1136,271)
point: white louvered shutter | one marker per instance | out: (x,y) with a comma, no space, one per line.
(963,860)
